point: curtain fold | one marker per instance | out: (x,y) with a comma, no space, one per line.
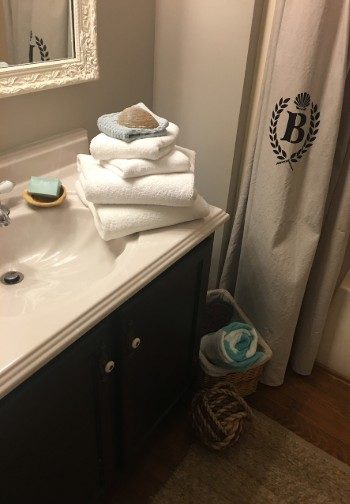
(291,228)
(326,271)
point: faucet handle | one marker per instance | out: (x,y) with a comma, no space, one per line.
(6,186)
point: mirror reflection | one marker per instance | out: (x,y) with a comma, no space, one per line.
(35,31)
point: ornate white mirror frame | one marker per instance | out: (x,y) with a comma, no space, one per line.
(28,78)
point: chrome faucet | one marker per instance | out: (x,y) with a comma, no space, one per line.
(5,187)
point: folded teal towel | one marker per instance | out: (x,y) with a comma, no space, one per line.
(108,124)
(233,347)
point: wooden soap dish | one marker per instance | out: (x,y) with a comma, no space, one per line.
(43,202)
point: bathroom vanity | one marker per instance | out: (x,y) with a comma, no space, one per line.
(98,341)
(65,431)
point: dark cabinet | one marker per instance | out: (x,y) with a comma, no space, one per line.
(65,430)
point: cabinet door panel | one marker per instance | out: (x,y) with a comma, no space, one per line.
(164,318)
(50,432)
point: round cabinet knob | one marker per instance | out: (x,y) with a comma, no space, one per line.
(109,366)
(136,342)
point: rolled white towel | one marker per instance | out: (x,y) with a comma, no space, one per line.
(104,187)
(116,221)
(103,147)
(177,161)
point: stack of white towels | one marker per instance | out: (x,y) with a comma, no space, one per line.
(133,186)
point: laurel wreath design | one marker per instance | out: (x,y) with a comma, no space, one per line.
(309,140)
(44,53)
(277,111)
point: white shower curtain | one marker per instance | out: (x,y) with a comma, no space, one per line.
(37,30)
(292,224)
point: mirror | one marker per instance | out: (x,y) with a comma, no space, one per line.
(35,31)
(46,43)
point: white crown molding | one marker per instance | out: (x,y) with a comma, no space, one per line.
(28,78)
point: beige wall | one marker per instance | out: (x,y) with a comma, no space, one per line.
(125,47)
(334,350)
(3,48)
(201,49)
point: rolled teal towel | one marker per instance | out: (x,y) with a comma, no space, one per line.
(233,347)
(108,124)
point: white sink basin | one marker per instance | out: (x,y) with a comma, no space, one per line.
(57,250)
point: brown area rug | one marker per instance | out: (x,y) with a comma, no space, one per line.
(269,464)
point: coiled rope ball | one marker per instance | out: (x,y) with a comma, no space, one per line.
(218,415)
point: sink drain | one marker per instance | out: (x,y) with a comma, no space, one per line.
(11,277)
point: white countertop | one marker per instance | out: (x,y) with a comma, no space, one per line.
(30,337)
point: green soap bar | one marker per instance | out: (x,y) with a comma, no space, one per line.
(45,187)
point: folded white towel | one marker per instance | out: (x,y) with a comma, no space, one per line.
(177,161)
(105,187)
(103,147)
(115,221)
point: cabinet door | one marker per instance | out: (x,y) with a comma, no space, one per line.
(51,433)
(159,345)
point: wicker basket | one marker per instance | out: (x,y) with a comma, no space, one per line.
(245,383)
